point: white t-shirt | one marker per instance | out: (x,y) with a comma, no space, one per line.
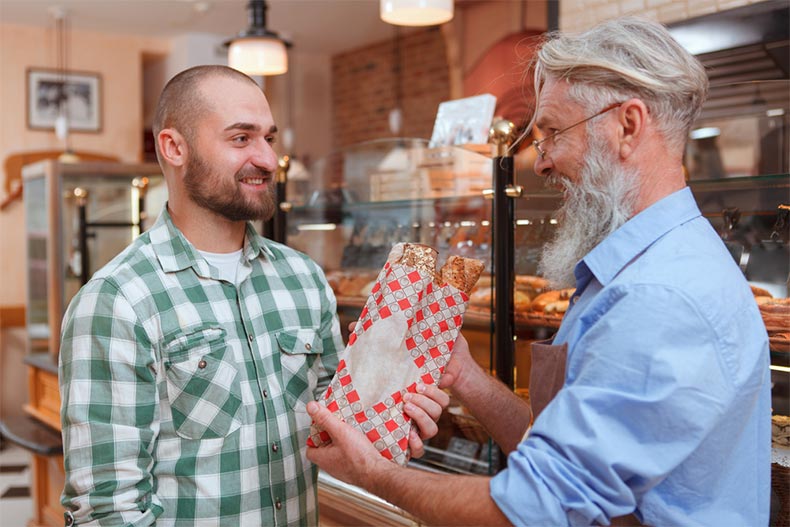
(227,264)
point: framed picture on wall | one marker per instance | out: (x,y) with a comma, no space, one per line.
(78,93)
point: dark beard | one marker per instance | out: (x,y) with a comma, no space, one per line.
(226,198)
(599,204)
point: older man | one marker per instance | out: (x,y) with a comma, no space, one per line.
(664,410)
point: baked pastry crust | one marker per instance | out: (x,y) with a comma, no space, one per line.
(780,430)
(461,273)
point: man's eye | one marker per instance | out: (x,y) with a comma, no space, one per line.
(271,139)
(241,139)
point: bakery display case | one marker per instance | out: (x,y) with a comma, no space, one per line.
(369,197)
(78,216)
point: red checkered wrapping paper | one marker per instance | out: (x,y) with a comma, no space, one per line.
(404,336)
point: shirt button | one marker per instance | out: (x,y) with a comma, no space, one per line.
(68,519)
(202,364)
(275,448)
(249,338)
(308,347)
(278,504)
(265,394)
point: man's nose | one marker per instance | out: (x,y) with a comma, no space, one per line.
(265,157)
(542,166)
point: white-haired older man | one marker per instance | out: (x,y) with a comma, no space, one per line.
(663,414)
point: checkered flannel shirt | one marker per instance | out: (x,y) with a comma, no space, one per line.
(183,396)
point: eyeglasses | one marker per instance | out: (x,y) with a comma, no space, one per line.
(542,152)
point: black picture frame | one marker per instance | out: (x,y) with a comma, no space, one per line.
(81,91)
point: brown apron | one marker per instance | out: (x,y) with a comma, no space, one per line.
(546,377)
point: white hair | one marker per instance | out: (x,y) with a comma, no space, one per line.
(624,58)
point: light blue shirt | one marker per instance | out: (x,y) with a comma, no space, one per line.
(665,410)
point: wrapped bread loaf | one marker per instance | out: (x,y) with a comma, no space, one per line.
(404,336)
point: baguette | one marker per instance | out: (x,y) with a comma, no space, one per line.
(461,273)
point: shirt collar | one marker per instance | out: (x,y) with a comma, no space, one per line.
(176,253)
(621,247)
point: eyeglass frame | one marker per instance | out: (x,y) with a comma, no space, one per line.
(536,143)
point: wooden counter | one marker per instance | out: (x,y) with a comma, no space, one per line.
(48,475)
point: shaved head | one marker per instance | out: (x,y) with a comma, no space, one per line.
(181,104)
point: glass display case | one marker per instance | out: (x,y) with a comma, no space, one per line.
(371,196)
(78,217)
(738,162)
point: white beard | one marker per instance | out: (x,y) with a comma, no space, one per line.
(602,201)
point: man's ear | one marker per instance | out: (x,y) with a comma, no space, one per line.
(633,116)
(172,147)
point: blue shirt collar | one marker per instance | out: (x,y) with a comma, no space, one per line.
(621,247)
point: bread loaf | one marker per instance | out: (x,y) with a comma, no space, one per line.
(461,273)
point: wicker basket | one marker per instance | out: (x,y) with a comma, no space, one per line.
(470,427)
(780,483)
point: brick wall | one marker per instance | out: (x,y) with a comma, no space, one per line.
(365,84)
(578,15)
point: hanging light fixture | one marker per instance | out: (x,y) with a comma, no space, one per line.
(416,12)
(256,50)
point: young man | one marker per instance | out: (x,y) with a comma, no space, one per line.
(664,414)
(186,362)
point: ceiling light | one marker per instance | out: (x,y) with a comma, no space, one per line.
(416,12)
(258,51)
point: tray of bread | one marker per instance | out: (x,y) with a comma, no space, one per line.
(535,303)
(776,316)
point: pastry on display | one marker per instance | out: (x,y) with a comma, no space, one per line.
(780,431)
(552,298)
(404,336)
(776,314)
(349,283)
(759,292)
(776,317)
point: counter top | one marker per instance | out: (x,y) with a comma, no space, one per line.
(43,361)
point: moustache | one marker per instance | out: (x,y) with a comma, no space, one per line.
(556,181)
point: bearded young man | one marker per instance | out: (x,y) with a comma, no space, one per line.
(186,362)
(663,416)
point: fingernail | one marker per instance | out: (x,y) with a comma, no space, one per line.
(420,388)
(408,397)
(312,407)
(408,407)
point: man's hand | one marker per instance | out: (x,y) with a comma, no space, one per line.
(350,456)
(424,407)
(460,365)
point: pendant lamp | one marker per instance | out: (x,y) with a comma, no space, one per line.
(256,50)
(416,12)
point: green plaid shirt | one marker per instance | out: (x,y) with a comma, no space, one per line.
(183,396)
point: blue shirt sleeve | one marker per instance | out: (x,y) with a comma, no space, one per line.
(646,383)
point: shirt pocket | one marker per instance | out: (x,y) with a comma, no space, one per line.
(299,348)
(203,385)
